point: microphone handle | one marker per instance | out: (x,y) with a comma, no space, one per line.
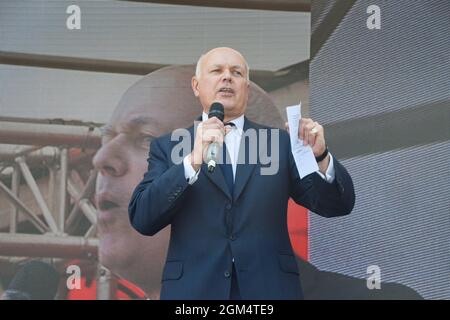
(212,156)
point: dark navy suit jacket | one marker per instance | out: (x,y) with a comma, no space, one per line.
(210,227)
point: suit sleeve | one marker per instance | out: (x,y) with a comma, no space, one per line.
(159,196)
(326,199)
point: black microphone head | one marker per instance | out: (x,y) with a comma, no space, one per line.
(36,280)
(216,110)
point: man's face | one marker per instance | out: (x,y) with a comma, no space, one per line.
(157,104)
(223,79)
(121,163)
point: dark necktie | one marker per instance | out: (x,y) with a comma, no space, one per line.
(227,171)
(226,167)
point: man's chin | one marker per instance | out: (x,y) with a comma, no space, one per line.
(117,251)
(228,103)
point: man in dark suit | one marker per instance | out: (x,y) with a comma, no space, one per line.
(229,237)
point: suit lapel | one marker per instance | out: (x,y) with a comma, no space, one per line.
(217,178)
(243,170)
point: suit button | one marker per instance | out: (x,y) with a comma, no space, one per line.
(228,206)
(227,274)
(232,237)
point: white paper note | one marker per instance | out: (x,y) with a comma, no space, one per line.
(303,155)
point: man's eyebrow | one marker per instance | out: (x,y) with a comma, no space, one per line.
(136,124)
(236,66)
(138,121)
(133,124)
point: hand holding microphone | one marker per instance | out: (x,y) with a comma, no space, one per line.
(209,138)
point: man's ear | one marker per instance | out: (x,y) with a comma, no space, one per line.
(194,84)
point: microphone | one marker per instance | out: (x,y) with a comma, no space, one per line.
(36,280)
(216,110)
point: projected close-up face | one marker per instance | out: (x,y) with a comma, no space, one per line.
(120,161)
(144,112)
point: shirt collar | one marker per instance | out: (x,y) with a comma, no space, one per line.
(238,122)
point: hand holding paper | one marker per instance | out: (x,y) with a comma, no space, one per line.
(303,154)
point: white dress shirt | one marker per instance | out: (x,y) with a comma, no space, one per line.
(233,141)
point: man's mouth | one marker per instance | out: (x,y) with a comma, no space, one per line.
(109,209)
(226,90)
(107,204)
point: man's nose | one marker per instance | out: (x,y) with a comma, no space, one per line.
(110,160)
(226,76)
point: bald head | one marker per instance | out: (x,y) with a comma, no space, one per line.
(163,100)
